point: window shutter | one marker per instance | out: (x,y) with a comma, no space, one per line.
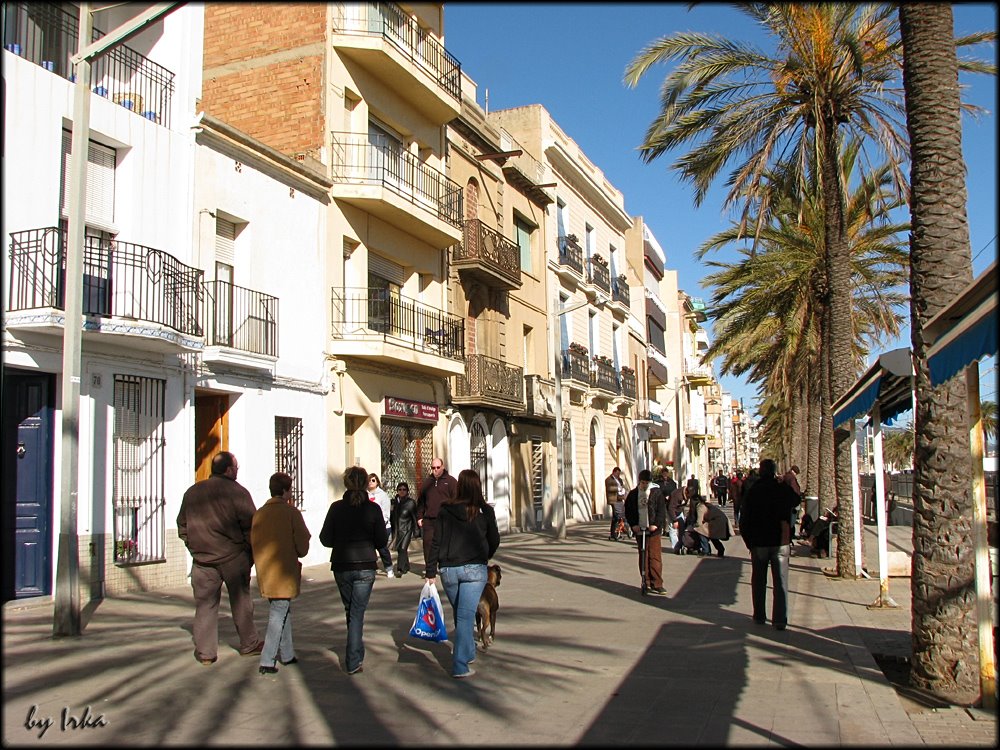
(100,181)
(225,242)
(387,269)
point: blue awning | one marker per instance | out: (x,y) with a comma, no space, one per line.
(965,332)
(889,381)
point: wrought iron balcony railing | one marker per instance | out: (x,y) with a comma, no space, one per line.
(119,279)
(388,21)
(599,276)
(620,292)
(490,381)
(628,384)
(47,33)
(366,313)
(240,318)
(576,366)
(489,251)
(604,377)
(358,160)
(570,254)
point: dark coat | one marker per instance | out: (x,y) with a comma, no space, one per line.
(657,509)
(766,505)
(406,522)
(215,519)
(354,532)
(458,541)
(676,504)
(433,492)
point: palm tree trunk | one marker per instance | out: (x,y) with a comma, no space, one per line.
(944,637)
(840,336)
(811,484)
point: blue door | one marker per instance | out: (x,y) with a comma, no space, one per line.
(27,485)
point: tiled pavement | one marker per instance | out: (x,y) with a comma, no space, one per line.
(580,658)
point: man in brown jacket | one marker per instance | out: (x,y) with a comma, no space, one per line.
(279,537)
(438,486)
(214,523)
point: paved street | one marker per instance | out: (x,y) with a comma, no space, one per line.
(580,658)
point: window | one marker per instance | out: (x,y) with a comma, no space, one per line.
(589,239)
(288,453)
(655,333)
(100,209)
(523,230)
(138,499)
(477,454)
(562,218)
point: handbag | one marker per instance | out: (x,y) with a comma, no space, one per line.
(429,621)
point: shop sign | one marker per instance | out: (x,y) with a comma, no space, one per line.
(406,409)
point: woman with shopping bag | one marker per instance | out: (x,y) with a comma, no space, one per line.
(465,539)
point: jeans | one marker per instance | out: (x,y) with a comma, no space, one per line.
(355,590)
(464,585)
(278,641)
(775,559)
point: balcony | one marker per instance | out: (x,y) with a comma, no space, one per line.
(489,382)
(540,398)
(386,181)
(143,295)
(241,326)
(598,275)
(697,373)
(576,367)
(394,48)
(628,384)
(376,324)
(487,256)
(570,258)
(46,34)
(620,293)
(604,377)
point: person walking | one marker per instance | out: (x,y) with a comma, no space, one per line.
(646,513)
(720,487)
(381,498)
(736,495)
(465,538)
(437,488)
(279,538)
(767,507)
(354,529)
(214,523)
(667,483)
(406,523)
(614,492)
(677,501)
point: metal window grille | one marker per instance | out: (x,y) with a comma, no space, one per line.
(537,480)
(138,486)
(477,453)
(567,467)
(407,450)
(288,453)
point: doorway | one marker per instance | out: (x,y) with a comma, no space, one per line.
(211,430)
(28,425)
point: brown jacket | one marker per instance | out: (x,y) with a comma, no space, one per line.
(214,520)
(433,492)
(712,522)
(612,488)
(279,536)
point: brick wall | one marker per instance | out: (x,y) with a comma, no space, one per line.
(264,71)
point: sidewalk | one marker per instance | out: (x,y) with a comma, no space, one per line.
(580,658)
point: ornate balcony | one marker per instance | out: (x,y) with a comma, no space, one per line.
(490,382)
(576,366)
(488,256)
(379,325)
(571,256)
(620,292)
(628,384)
(144,295)
(598,275)
(604,377)
(394,48)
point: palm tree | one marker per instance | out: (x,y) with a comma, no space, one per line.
(945,648)
(831,75)
(988,415)
(897,447)
(765,310)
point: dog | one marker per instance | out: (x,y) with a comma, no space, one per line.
(489,603)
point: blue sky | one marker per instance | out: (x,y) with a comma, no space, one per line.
(571,59)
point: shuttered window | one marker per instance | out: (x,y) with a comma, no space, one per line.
(524,230)
(386,269)
(100,181)
(225,242)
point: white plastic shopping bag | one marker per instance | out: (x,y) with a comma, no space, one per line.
(429,622)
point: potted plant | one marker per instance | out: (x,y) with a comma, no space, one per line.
(626,370)
(601,359)
(599,260)
(578,348)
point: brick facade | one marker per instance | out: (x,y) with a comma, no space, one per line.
(268,85)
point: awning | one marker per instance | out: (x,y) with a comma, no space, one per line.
(889,381)
(965,331)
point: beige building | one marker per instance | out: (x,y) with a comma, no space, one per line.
(585,250)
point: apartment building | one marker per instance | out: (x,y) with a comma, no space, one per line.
(585,250)
(363,91)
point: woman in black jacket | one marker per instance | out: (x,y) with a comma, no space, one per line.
(355,529)
(465,539)
(405,523)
